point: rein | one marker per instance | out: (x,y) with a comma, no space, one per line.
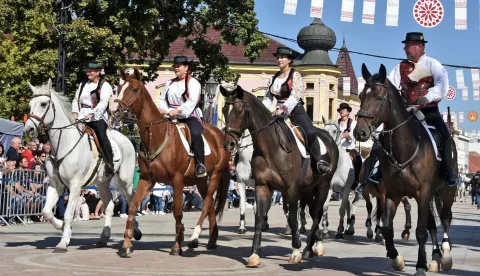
(338,133)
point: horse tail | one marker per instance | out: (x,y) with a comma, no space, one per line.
(222,193)
(436,205)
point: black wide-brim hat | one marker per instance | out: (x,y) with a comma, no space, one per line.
(180,59)
(344,106)
(93,65)
(284,51)
(414,37)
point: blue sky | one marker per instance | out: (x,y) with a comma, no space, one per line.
(459,47)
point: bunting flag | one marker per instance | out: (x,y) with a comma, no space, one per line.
(445,114)
(465,93)
(428,13)
(290,7)
(347,10)
(475,78)
(460,79)
(361,84)
(460,14)
(393,7)
(368,16)
(474,133)
(346,86)
(316,10)
(476,93)
(453,116)
(460,117)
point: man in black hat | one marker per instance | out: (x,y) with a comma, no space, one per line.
(423,81)
(180,98)
(91,104)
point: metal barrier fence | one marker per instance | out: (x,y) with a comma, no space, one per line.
(22,194)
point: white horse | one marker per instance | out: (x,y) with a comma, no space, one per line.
(342,182)
(72,163)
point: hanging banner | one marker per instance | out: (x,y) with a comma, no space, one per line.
(428,13)
(460,14)
(316,10)
(476,93)
(465,93)
(368,16)
(460,117)
(346,86)
(361,84)
(460,79)
(451,93)
(475,77)
(290,7)
(472,116)
(393,7)
(347,10)
(474,133)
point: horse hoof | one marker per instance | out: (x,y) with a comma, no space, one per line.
(369,233)
(405,235)
(420,272)
(433,267)
(446,262)
(302,230)
(307,254)
(126,252)
(288,231)
(137,235)
(349,233)
(339,236)
(59,250)
(242,231)
(100,244)
(398,263)
(295,259)
(319,252)
(253,261)
(325,235)
(193,243)
(176,252)
(212,246)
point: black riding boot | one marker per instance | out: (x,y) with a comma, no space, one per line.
(108,154)
(322,166)
(451,176)
(377,175)
(199,153)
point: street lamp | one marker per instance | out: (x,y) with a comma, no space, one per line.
(211,87)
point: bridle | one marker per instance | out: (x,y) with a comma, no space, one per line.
(367,115)
(125,109)
(338,132)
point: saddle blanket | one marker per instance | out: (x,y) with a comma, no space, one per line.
(117,154)
(301,147)
(428,129)
(207,149)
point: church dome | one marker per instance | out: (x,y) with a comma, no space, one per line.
(317,36)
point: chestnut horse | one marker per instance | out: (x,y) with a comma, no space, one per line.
(165,160)
(277,164)
(409,166)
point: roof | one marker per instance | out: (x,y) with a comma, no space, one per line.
(345,64)
(473,162)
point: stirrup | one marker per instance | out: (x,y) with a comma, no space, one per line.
(200,170)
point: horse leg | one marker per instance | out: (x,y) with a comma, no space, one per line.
(262,196)
(126,186)
(243,203)
(368,222)
(266,226)
(219,179)
(325,233)
(296,257)
(446,217)
(378,214)
(68,218)
(142,189)
(397,261)
(303,220)
(342,210)
(106,197)
(316,214)
(207,205)
(421,232)
(322,199)
(408,217)
(434,265)
(178,214)
(53,193)
(351,226)
(288,231)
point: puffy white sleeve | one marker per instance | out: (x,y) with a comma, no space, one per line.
(105,94)
(440,81)
(194,93)
(75,101)
(162,102)
(296,95)
(267,99)
(395,78)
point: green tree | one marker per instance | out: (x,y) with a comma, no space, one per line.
(117,32)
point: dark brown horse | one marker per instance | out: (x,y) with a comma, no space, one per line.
(277,164)
(164,159)
(409,166)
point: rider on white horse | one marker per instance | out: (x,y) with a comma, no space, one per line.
(90,104)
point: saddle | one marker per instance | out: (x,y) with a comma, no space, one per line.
(186,138)
(435,137)
(282,130)
(95,143)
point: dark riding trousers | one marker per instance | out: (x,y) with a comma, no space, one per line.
(100,128)
(196,129)
(434,118)
(300,117)
(370,162)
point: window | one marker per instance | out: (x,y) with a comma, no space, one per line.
(331,87)
(310,107)
(310,85)
(330,109)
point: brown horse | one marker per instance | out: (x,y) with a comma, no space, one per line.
(409,166)
(164,159)
(277,164)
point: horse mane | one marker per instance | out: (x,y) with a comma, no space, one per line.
(256,104)
(376,78)
(65,103)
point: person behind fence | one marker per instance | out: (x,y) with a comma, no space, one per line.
(90,104)
(12,152)
(181,98)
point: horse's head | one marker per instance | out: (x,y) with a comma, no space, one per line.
(235,112)
(333,129)
(130,102)
(375,104)
(42,109)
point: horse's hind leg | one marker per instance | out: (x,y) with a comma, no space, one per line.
(368,222)
(325,233)
(345,205)
(207,205)
(296,257)
(316,214)
(241,190)
(351,226)
(106,197)
(288,231)
(303,220)
(68,217)
(434,265)
(53,192)
(446,201)
(408,217)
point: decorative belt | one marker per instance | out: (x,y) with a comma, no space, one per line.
(86,106)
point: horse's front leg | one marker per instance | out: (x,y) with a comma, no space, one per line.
(391,204)
(262,198)
(447,195)
(421,232)
(368,222)
(243,204)
(178,214)
(106,198)
(325,233)
(351,226)
(296,257)
(75,189)
(343,207)
(434,265)
(288,231)
(408,219)
(53,192)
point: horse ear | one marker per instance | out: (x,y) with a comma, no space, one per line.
(49,84)
(137,74)
(32,87)
(239,92)
(365,73)
(323,120)
(383,73)
(123,74)
(223,91)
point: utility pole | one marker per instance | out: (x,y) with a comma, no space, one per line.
(62,54)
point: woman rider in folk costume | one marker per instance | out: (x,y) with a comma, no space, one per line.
(287,87)
(91,104)
(180,98)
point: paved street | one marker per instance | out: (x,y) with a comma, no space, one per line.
(28,249)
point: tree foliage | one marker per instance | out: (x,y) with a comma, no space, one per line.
(117,32)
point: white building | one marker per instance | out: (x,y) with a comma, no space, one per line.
(462,140)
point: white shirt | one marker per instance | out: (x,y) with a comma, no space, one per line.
(175,98)
(348,143)
(86,99)
(295,96)
(439,74)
